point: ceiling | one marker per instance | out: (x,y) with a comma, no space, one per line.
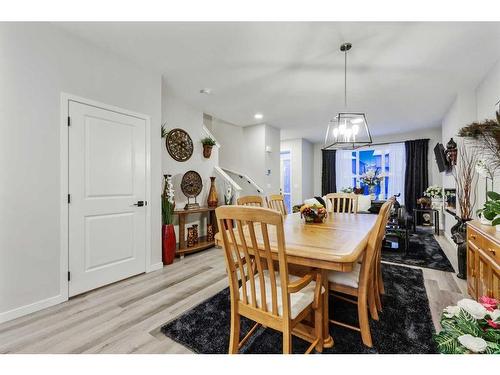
(403,75)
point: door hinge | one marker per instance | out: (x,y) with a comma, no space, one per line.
(69,198)
(69,121)
(69,276)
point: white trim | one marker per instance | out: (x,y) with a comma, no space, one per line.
(154,267)
(241,175)
(228,178)
(64,162)
(33,307)
(448,237)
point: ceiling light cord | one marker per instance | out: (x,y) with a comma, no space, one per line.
(345,78)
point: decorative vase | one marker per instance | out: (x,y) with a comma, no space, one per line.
(458,234)
(437,203)
(195,233)
(168,243)
(207,151)
(210,232)
(213,199)
(190,237)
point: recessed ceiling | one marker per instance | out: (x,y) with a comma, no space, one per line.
(404,76)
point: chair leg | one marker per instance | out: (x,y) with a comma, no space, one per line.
(364,323)
(372,303)
(234,338)
(380,282)
(287,341)
(318,326)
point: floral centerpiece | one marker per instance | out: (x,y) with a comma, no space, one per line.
(315,213)
(436,194)
(434,191)
(371,178)
(470,327)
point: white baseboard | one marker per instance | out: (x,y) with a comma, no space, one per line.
(154,267)
(28,309)
(448,237)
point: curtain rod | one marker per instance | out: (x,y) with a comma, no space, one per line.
(386,143)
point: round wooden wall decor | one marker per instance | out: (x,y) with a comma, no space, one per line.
(191,184)
(179,144)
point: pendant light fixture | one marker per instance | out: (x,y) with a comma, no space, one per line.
(347,129)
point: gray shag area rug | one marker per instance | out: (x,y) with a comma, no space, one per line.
(405,324)
(423,251)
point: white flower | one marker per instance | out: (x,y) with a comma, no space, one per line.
(494,315)
(474,308)
(474,344)
(451,311)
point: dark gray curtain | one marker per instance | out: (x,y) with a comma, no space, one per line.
(328,174)
(417,171)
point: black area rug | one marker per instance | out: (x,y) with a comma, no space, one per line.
(424,251)
(405,324)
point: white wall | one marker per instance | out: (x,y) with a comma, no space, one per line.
(471,104)
(243,149)
(38,61)
(434,136)
(178,114)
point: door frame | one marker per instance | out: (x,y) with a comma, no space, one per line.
(281,176)
(64,183)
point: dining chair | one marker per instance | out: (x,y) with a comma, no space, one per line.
(250,200)
(268,294)
(342,202)
(379,289)
(277,203)
(360,281)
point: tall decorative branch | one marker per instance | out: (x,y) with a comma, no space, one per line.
(465,177)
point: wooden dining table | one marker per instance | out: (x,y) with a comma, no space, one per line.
(334,245)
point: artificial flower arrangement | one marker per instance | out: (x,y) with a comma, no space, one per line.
(371,178)
(315,213)
(434,191)
(470,327)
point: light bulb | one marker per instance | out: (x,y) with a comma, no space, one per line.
(342,128)
(355,129)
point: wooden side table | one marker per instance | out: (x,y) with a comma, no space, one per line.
(203,243)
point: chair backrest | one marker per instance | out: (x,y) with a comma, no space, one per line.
(250,200)
(342,202)
(239,242)
(380,238)
(277,203)
(374,244)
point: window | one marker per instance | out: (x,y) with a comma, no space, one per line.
(387,160)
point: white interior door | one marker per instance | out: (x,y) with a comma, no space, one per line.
(107,179)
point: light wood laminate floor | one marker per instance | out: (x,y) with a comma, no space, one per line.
(126,317)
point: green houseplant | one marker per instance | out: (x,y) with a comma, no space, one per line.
(491,208)
(207,143)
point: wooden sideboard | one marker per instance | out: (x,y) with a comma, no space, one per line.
(483,260)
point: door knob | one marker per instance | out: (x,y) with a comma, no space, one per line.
(139,203)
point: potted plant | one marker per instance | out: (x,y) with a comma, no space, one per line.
(470,327)
(207,143)
(167,212)
(490,213)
